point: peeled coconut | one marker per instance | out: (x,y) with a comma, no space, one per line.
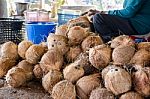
(62,30)
(9,50)
(58,42)
(38,72)
(141,57)
(73,72)
(100,56)
(34,53)
(144,45)
(64,90)
(53,59)
(73,52)
(86,84)
(50,79)
(131,95)
(118,81)
(22,48)
(141,81)
(5,65)
(101,93)
(90,42)
(76,35)
(122,54)
(122,40)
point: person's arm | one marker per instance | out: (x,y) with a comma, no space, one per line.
(129,10)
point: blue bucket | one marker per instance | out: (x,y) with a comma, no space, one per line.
(38,32)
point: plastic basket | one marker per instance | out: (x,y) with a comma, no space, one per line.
(11,30)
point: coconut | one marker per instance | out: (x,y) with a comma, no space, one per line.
(144,45)
(118,81)
(76,35)
(141,81)
(123,54)
(5,65)
(38,72)
(101,93)
(9,50)
(73,53)
(122,40)
(141,57)
(53,59)
(50,79)
(100,56)
(22,48)
(64,90)
(131,95)
(90,42)
(62,30)
(34,53)
(73,72)
(58,42)
(86,84)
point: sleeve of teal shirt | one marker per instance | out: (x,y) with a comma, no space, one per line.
(129,10)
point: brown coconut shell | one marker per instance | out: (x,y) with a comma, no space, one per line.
(122,40)
(101,93)
(73,53)
(53,59)
(86,84)
(5,65)
(9,50)
(38,72)
(34,53)
(141,57)
(100,56)
(143,45)
(76,35)
(73,72)
(64,90)
(118,81)
(22,48)
(131,95)
(141,81)
(90,42)
(58,42)
(122,54)
(62,30)
(50,79)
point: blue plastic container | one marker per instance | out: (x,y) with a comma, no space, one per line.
(38,32)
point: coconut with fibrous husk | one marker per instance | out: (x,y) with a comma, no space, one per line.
(73,72)
(86,84)
(38,72)
(73,52)
(101,93)
(53,59)
(122,54)
(118,81)
(9,50)
(5,65)
(22,48)
(90,42)
(62,30)
(58,42)
(143,45)
(141,57)
(100,56)
(34,53)
(141,81)
(131,95)
(76,35)
(50,79)
(64,90)
(122,40)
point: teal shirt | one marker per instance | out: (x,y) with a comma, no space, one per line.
(138,13)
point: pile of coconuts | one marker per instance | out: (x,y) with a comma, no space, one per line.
(75,63)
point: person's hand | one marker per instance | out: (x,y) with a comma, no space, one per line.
(90,12)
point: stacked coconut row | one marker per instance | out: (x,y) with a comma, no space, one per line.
(76,64)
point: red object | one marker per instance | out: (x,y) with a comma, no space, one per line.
(141,38)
